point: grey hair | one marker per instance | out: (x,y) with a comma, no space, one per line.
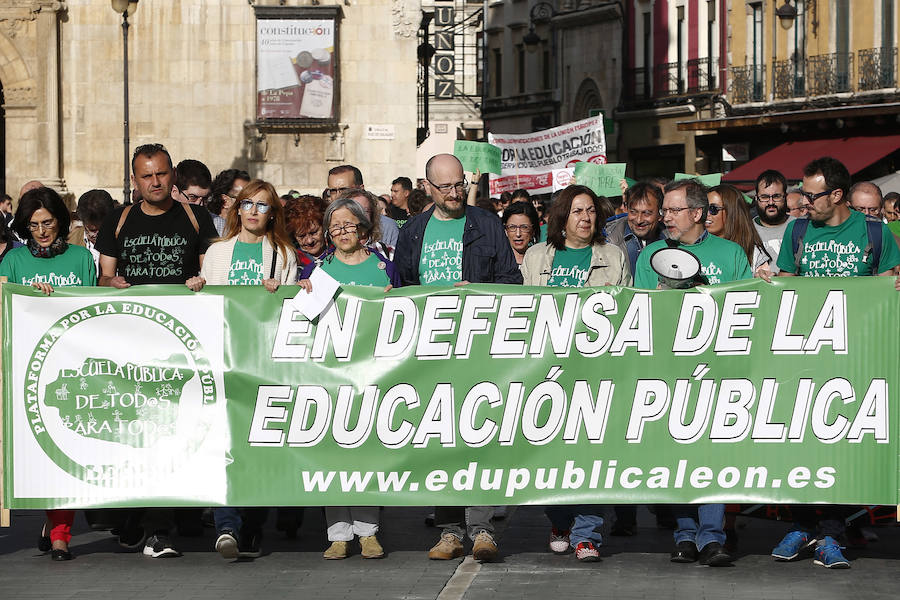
(365,224)
(695,194)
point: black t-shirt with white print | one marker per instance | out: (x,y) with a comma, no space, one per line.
(157,249)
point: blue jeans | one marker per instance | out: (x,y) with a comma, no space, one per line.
(700,524)
(242,521)
(579,519)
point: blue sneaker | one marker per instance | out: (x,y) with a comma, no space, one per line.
(828,554)
(793,544)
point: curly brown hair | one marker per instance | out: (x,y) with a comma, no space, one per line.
(559,214)
(303,211)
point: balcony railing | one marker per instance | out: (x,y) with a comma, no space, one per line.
(790,81)
(877,69)
(671,79)
(748,84)
(701,75)
(829,73)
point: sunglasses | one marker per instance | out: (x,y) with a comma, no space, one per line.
(261,207)
(715,209)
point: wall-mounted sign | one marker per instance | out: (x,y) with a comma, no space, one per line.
(297,65)
(379,132)
(445,59)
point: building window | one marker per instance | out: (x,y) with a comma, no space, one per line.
(887,23)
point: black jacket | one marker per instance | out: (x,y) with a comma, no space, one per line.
(486,256)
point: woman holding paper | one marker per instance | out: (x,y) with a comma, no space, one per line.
(255,244)
(576,253)
(349,261)
(47,260)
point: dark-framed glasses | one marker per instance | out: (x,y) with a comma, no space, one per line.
(339,229)
(813,197)
(195,199)
(522,228)
(445,188)
(715,209)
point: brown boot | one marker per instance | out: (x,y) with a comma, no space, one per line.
(449,547)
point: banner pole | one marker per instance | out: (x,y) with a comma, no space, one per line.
(4,512)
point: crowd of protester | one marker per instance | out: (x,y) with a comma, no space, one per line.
(236,230)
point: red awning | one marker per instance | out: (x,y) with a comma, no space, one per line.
(789,158)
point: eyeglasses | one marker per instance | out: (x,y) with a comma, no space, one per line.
(195,199)
(869,211)
(674,211)
(522,228)
(261,207)
(715,209)
(771,198)
(445,188)
(335,191)
(45,225)
(813,197)
(348,227)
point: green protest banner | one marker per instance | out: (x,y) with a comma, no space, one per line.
(602,179)
(477,156)
(711,180)
(478,395)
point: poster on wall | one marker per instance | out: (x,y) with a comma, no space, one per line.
(296,72)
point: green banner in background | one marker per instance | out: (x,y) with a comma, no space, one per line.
(479,395)
(711,180)
(477,156)
(604,180)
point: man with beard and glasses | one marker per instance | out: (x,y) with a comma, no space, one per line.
(772,210)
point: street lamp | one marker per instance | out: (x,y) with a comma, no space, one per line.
(786,15)
(125,8)
(542,11)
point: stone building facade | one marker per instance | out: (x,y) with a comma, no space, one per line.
(192,69)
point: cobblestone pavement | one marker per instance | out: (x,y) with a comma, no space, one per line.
(632,568)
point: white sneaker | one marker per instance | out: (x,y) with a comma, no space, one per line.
(559,541)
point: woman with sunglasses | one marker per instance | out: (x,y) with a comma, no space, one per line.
(46,261)
(351,262)
(728,217)
(255,250)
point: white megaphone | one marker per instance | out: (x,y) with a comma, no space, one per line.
(677,269)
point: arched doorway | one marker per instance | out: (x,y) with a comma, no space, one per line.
(587,98)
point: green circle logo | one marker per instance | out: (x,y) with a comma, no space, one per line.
(111,422)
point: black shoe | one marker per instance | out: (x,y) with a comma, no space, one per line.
(132,538)
(684,552)
(714,555)
(159,545)
(249,545)
(44,543)
(622,529)
(60,555)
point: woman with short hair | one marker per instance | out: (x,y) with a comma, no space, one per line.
(46,261)
(522,226)
(352,262)
(576,253)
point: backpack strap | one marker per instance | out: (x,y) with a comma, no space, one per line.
(798,231)
(191,216)
(873,247)
(122,218)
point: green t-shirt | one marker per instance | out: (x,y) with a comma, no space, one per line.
(570,267)
(246,264)
(441,261)
(721,261)
(369,272)
(837,251)
(74,267)
(894,226)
